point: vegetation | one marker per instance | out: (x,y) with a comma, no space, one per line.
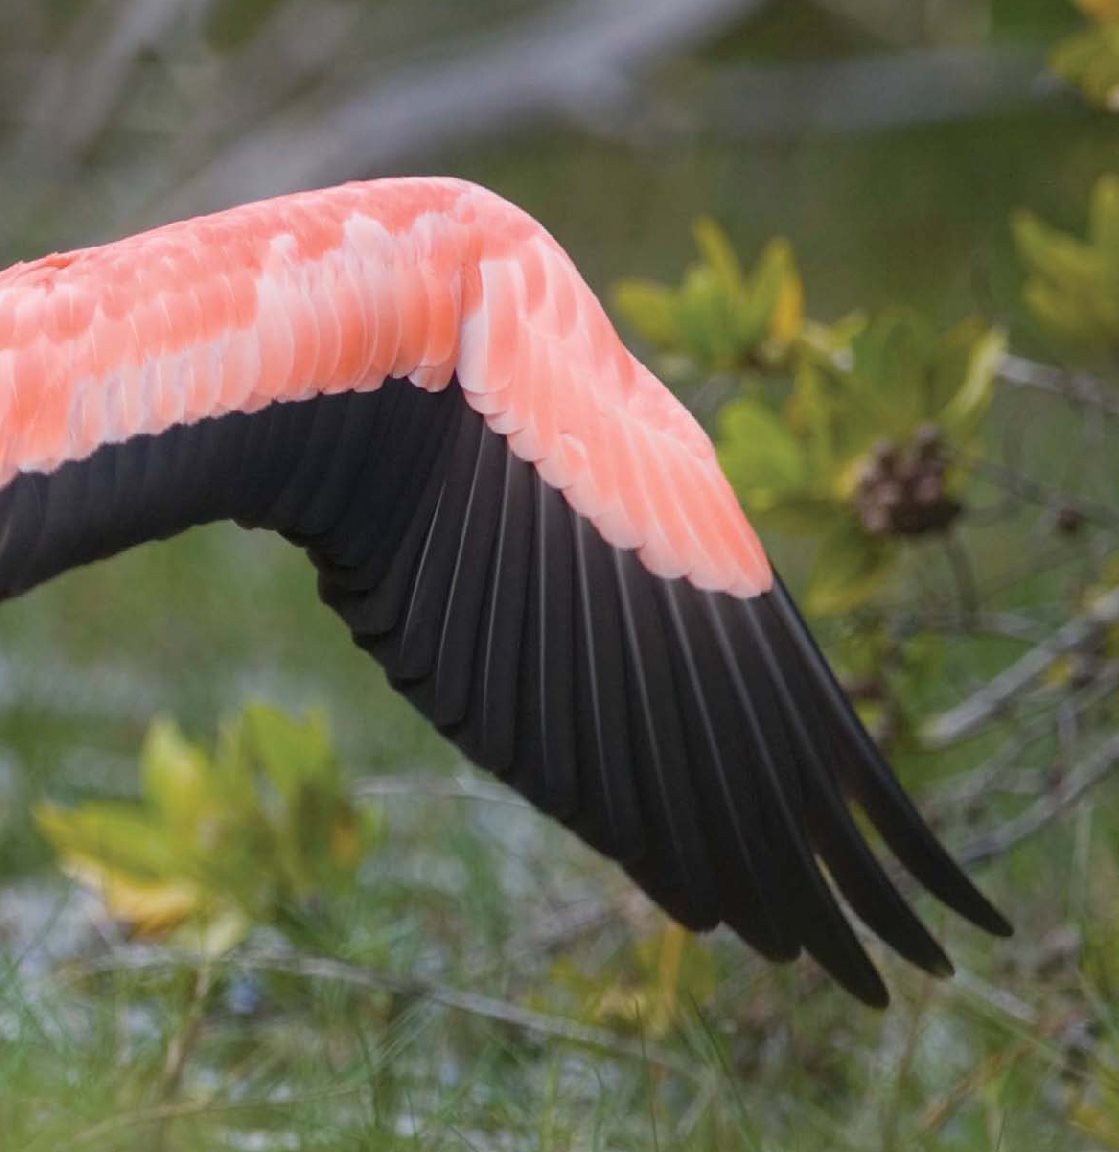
(304,940)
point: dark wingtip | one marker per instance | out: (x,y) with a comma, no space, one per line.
(993,920)
(878,792)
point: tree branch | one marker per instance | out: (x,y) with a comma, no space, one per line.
(1081,388)
(1072,788)
(373,979)
(568,56)
(996,695)
(870,93)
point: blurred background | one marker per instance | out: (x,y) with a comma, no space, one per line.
(395,953)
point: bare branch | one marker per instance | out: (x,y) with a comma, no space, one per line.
(968,788)
(871,93)
(996,695)
(78,93)
(569,55)
(1037,492)
(373,979)
(434,787)
(1072,788)
(1081,388)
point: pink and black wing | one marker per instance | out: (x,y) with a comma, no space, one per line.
(609,641)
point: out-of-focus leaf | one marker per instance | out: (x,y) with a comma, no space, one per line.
(1102,11)
(719,317)
(1098,1120)
(650,310)
(1090,61)
(892,356)
(114,835)
(174,773)
(1072,287)
(1103,226)
(218,844)
(715,248)
(850,568)
(798,515)
(706,325)
(215,934)
(291,752)
(773,305)
(761,459)
(151,908)
(832,340)
(671,969)
(962,377)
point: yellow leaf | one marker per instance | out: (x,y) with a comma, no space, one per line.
(715,248)
(152,908)
(788,316)
(1098,1121)
(1103,11)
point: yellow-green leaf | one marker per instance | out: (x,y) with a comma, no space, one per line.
(1102,11)
(174,773)
(892,358)
(1090,61)
(650,309)
(715,248)
(962,380)
(850,568)
(759,456)
(1103,228)
(290,751)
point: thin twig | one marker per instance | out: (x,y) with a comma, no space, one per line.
(1080,388)
(1037,492)
(373,979)
(432,787)
(868,93)
(963,790)
(995,696)
(566,57)
(1072,788)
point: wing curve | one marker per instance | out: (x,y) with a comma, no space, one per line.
(525,532)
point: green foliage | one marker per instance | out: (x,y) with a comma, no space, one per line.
(254,833)
(720,316)
(860,453)
(1089,59)
(1073,285)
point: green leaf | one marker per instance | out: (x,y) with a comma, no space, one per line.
(705,320)
(850,568)
(175,774)
(760,458)
(1055,255)
(650,310)
(963,375)
(1073,287)
(892,356)
(1103,228)
(715,248)
(291,752)
(1090,61)
(798,515)
(115,836)
(773,303)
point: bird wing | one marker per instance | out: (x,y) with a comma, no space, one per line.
(409,380)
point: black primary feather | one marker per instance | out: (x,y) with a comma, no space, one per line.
(700,740)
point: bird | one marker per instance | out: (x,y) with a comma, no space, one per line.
(409,379)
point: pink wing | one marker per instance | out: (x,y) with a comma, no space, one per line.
(409,379)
